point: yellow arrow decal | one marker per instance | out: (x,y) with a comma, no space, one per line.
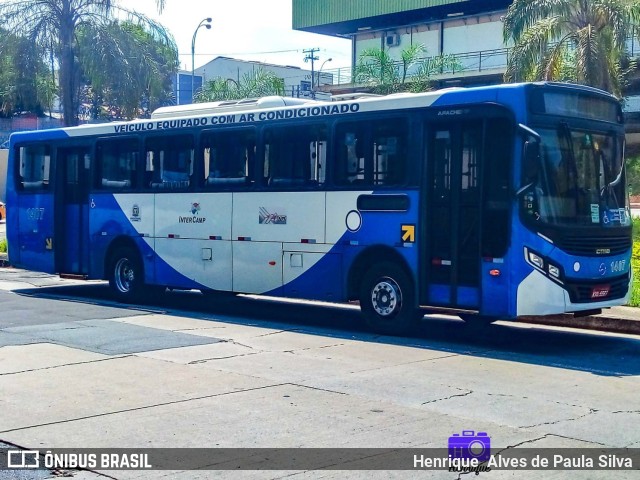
(409,233)
(49,243)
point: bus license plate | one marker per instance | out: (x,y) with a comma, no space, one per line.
(600,291)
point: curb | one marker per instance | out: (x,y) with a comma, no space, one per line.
(591,322)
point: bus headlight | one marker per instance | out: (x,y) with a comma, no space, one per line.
(543,265)
(554,271)
(535,259)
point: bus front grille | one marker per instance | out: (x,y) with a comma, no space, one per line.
(594,245)
(582,291)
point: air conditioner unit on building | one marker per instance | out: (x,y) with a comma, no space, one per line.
(392,40)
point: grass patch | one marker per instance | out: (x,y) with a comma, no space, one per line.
(634,301)
(3,245)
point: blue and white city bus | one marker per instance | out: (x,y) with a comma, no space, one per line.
(490,202)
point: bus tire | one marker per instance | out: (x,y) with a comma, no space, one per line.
(387,300)
(126,277)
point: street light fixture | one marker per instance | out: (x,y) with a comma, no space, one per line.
(203,23)
(320,71)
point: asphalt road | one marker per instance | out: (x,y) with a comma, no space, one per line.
(79,370)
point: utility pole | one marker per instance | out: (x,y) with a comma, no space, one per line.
(311,55)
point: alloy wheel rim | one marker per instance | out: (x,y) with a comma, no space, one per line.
(386,297)
(124,275)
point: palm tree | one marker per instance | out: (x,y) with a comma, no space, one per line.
(256,83)
(124,66)
(54,25)
(413,72)
(577,40)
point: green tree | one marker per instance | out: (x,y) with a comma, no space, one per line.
(573,40)
(54,25)
(25,82)
(125,68)
(256,83)
(413,72)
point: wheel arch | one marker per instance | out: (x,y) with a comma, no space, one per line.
(369,257)
(120,242)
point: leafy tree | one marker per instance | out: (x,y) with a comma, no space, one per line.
(125,68)
(413,72)
(25,82)
(572,40)
(54,26)
(257,83)
(632,165)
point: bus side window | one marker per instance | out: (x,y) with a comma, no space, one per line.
(228,158)
(351,158)
(295,156)
(35,163)
(372,153)
(389,150)
(117,164)
(170,162)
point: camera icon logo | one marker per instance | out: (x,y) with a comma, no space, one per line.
(470,445)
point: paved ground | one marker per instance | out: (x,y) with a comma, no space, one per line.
(77,370)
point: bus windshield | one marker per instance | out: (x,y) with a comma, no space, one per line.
(581,179)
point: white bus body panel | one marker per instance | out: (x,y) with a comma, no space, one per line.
(194,215)
(207,262)
(537,295)
(343,214)
(279,217)
(139,209)
(257,266)
(193,236)
(262,222)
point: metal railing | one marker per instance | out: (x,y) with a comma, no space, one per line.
(470,62)
(480,61)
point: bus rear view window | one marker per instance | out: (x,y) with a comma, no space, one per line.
(34,167)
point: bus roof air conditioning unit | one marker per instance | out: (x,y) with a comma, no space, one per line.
(392,40)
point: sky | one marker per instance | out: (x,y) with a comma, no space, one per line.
(246,29)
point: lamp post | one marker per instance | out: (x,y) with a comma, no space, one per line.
(320,71)
(203,23)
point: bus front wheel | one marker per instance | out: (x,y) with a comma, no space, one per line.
(387,299)
(126,277)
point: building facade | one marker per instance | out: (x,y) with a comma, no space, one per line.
(471,30)
(297,81)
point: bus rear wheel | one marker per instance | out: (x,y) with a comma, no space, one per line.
(387,300)
(126,277)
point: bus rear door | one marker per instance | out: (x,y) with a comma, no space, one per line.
(72,210)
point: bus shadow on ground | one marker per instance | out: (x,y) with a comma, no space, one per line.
(595,352)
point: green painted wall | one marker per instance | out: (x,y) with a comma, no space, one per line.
(309,13)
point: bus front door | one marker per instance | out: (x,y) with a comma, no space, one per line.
(451,216)
(72,219)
